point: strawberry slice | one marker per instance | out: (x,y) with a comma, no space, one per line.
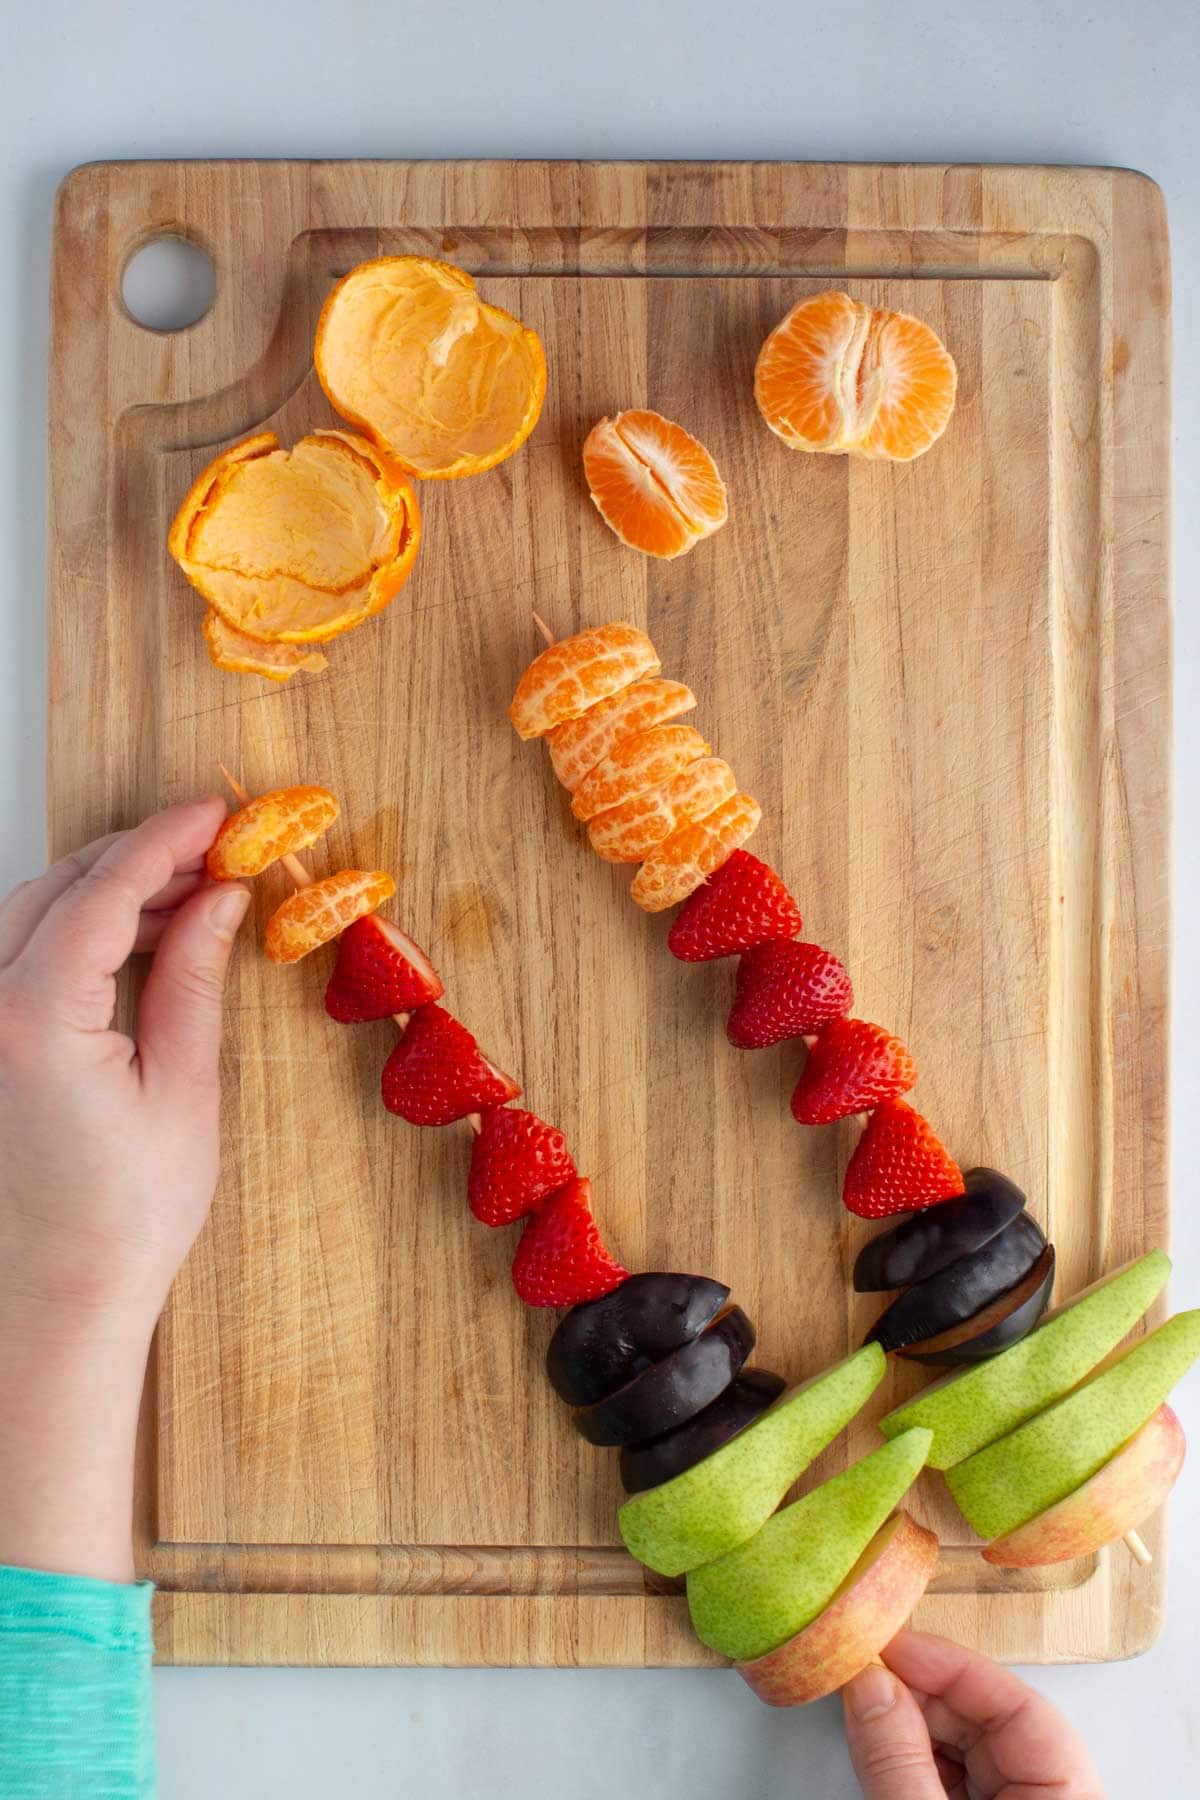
(899,1165)
(852,1067)
(786,990)
(437,1072)
(378,972)
(517,1160)
(743,904)
(561,1259)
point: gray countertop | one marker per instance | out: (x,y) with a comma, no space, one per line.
(1022,81)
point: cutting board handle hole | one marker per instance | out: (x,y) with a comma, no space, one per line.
(168,284)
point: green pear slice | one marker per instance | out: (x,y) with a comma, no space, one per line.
(722,1500)
(1044,1460)
(769,1588)
(968,1410)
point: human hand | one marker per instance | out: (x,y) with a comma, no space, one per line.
(941,1720)
(108,1160)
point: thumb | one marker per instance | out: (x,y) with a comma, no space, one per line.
(179,1019)
(887,1738)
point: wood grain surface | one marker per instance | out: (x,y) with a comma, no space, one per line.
(948,683)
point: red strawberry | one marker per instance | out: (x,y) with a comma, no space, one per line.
(561,1259)
(786,990)
(899,1165)
(379,971)
(437,1072)
(517,1160)
(852,1067)
(745,903)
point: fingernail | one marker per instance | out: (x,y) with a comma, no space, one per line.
(228,910)
(871,1693)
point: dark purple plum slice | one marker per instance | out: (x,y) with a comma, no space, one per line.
(744,1400)
(673,1390)
(960,1291)
(930,1241)
(1004,1323)
(602,1344)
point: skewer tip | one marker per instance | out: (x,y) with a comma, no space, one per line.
(544,629)
(1136,1545)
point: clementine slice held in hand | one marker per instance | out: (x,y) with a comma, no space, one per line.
(836,375)
(408,352)
(315,914)
(273,825)
(572,675)
(653,483)
(296,546)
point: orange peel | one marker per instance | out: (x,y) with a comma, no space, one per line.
(577,745)
(627,833)
(677,867)
(576,672)
(296,546)
(241,655)
(316,914)
(270,827)
(410,354)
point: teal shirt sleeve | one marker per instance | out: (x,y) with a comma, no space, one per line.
(75,1710)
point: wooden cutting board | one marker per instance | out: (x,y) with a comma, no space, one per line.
(948,684)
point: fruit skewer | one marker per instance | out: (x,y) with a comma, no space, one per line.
(990,1208)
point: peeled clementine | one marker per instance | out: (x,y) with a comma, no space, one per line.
(577,745)
(296,546)
(653,483)
(676,867)
(836,375)
(643,761)
(407,350)
(242,655)
(628,832)
(315,914)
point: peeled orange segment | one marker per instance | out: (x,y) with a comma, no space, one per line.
(579,744)
(273,825)
(643,761)
(676,867)
(314,914)
(628,832)
(409,353)
(653,483)
(295,546)
(572,675)
(242,655)
(836,375)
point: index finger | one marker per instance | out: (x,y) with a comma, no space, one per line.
(90,929)
(1016,1732)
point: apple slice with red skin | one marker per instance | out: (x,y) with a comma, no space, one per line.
(873,1603)
(1005,1322)
(1118,1498)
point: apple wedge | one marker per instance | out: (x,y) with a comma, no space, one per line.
(1118,1498)
(1008,1482)
(771,1587)
(968,1410)
(720,1502)
(873,1603)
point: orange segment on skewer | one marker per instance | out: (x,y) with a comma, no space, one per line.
(407,350)
(653,483)
(269,828)
(628,832)
(676,867)
(836,375)
(315,914)
(578,745)
(242,655)
(572,675)
(643,761)
(296,546)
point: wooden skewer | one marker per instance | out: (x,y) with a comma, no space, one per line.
(302,879)
(545,630)
(1136,1545)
